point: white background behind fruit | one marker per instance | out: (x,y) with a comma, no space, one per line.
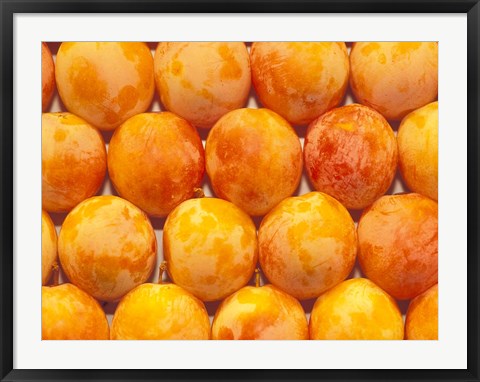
(304,187)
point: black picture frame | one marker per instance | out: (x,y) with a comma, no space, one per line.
(7,10)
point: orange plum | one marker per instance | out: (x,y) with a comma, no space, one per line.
(421,322)
(48,76)
(49,246)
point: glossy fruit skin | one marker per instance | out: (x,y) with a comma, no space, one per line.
(356,309)
(351,154)
(202,81)
(48,76)
(275,316)
(105,83)
(421,322)
(74,161)
(107,247)
(394,78)
(307,244)
(156,161)
(300,80)
(210,246)
(160,312)
(398,244)
(418,150)
(253,159)
(68,313)
(49,246)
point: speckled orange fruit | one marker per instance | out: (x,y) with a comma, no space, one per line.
(254,159)
(307,244)
(398,244)
(74,161)
(48,76)
(201,81)
(351,154)
(49,246)
(260,313)
(356,309)
(300,80)
(107,247)
(68,313)
(105,82)
(394,78)
(421,322)
(210,246)
(156,160)
(418,150)
(160,312)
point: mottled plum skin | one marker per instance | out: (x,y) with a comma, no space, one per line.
(74,161)
(105,83)
(254,159)
(398,244)
(49,246)
(260,313)
(202,81)
(421,322)
(68,313)
(307,244)
(350,153)
(418,150)
(300,80)
(160,312)
(156,161)
(48,76)
(107,247)
(356,309)
(210,246)
(394,78)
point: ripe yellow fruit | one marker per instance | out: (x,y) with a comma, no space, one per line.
(210,246)
(394,78)
(156,160)
(356,309)
(48,76)
(68,313)
(160,312)
(105,83)
(260,313)
(107,247)
(49,246)
(307,244)
(421,322)
(254,159)
(201,81)
(418,150)
(300,80)
(74,161)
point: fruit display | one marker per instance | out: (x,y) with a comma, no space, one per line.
(240,190)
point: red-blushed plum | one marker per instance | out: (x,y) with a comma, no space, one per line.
(254,159)
(49,246)
(160,312)
(300,80)
(356,309)
(156,161)
(105,83)
(307,244)
(394,78)
(418,150)
(351,154)
(107,247)
(48,76)
(398,244)
(260,313)
(421,322)
(74,161)
(210,246)
(201,81)
(68,313)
